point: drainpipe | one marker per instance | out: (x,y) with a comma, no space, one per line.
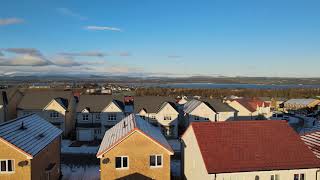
(318,171)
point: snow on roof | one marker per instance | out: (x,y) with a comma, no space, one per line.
(304,102)
(30,133)
(312,140)
(191,105)
(125,127)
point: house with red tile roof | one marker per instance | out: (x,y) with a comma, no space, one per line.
(256,150)
(251,108)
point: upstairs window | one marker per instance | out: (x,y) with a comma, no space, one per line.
(122,162)
(85,117)
(98,117)
(6,166)
(54,114)
(167,118)
(299,177)
(275,177)
(153,117)
(196,118)
(112,117)
(206,119)
(156,161)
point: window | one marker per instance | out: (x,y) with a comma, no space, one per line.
(6,166)
(122,162)
(97,131)
(275,177)
(54,114)
(299,177)
(167,118)
(98,117)
(85,117)
(156,161)
(112,117)
(196,118)
(153,117)
(206,119)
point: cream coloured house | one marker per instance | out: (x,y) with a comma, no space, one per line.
(207,110)
(57,107)
(247,150)
(96,114)
(251,108)
(159,111)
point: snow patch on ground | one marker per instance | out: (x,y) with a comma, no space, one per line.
(80,172)
(66,149)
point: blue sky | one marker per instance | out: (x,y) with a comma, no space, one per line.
(167,37)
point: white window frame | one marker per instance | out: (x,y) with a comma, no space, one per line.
(167,118)
(54,114)
(85,115)
(98,117)
(112,117)
(156,159)
(120,168)
(299,178)
(13,166)
(153,117)
(275,176)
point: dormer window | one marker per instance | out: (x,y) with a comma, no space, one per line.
(54,114)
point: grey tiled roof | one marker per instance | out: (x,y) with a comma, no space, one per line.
(34,100)
(215,104)
(96,103)
(152,104)
(125,127)
(30,133)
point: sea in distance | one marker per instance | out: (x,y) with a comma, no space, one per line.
(226,86)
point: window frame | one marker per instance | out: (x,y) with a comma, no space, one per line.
(85,115)
(196,118)
(7,165)
(54,115)
(275,177)
(299,176)
(156,159)
(167,118)
(114,115)
(121,168)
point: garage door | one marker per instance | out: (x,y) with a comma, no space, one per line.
(85,135)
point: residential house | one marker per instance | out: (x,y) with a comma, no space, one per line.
(207,110)
(134,149)
(96,114)
(302,104)
(57,107)
(9,100)
(251,108)
(159,111)
(257,150)
(29,149)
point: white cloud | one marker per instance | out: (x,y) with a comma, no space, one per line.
(68,12)
(89,54)
(24,60)
(9,21)
(103,28)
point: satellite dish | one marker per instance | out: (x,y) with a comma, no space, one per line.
(23,163)
(106,161)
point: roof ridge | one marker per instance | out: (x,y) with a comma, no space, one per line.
(16,119)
